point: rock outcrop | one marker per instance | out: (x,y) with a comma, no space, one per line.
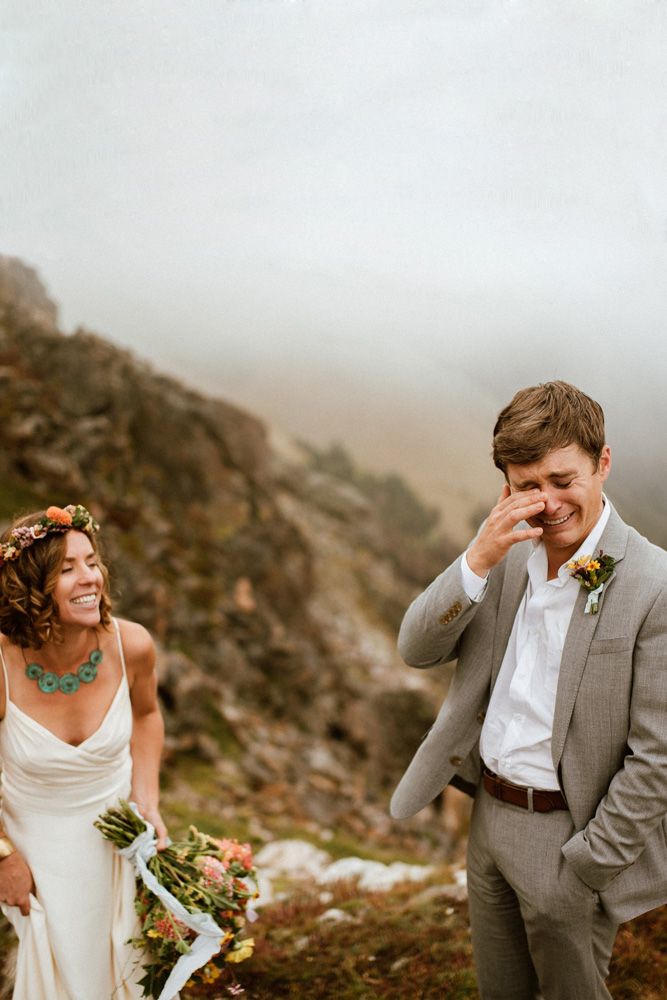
(272,576)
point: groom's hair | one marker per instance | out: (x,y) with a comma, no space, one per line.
(545,417)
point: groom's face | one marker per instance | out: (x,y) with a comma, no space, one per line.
(572,483)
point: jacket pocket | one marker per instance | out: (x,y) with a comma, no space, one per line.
(620,644)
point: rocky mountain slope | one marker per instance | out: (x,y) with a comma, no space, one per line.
(273,577)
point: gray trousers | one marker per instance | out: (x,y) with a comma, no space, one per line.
(537,930)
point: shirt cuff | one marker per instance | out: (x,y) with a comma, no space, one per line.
(473,585)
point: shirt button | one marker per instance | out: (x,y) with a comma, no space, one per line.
(456,761)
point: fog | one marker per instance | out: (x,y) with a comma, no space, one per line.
(365,221)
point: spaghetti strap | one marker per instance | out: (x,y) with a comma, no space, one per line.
(120,646)
(4,670)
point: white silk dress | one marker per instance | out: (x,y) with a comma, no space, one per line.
(73,945)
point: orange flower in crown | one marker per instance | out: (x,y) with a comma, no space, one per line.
(59,515)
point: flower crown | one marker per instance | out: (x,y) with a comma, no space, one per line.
(56,519)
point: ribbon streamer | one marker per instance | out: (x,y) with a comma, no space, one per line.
(593,600)
(209,938)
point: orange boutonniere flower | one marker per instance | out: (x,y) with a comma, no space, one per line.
(592,573)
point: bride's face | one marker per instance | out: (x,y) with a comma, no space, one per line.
(79,588)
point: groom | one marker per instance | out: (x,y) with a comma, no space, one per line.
(556,717)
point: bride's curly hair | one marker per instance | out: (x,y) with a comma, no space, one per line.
(28,610)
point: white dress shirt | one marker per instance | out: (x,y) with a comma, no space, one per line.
(516,736)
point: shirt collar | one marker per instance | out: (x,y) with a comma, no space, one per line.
(537,563)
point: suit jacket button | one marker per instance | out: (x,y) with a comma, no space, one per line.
(456,761)
(481,716)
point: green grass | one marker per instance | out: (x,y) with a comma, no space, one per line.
(197,774)
(179,818)
(180,811)
(220,730)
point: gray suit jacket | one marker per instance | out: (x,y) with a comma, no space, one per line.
(609,743)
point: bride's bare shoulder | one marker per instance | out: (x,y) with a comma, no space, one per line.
(138,645)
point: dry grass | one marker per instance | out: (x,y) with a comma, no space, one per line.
(402,945)
(639,964)
(398,948)
(386,947)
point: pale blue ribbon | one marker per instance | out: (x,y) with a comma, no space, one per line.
(593,600)
(209,935)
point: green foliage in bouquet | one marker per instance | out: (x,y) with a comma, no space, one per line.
(206,876)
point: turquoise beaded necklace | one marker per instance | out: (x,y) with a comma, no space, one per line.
(50,682)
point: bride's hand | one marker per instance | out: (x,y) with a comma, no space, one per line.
(152,814)
(16,882)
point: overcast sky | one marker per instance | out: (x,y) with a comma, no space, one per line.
(369,221)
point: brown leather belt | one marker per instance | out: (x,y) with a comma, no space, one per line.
(539,800)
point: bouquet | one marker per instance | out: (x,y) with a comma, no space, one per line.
(191,901)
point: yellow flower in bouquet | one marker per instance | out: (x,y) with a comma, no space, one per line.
(241,951)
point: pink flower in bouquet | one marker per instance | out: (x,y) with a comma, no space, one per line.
(233,851)
(212,869)
(170,928)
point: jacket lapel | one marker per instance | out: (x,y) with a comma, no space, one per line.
(579,637)
(514,587)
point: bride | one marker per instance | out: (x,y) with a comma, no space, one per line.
(80,727)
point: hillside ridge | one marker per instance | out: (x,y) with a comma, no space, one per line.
(274,583)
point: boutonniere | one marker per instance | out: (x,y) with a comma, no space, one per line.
(592,573)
